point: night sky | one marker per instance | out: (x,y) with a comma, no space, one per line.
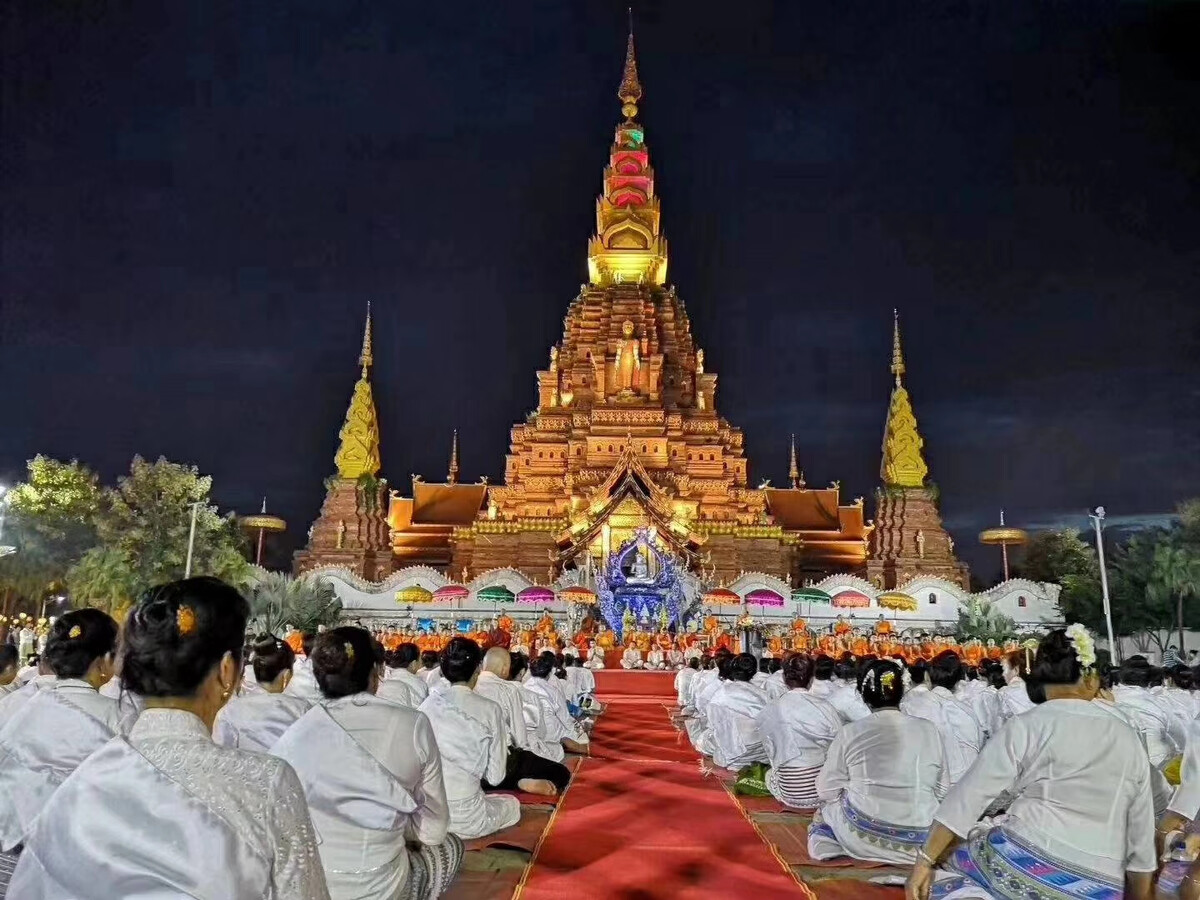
(200,198)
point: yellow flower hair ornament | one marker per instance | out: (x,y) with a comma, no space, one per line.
(185,620)
(75,632)
(887,679)
(349,648)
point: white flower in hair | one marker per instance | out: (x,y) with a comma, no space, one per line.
(1083,644)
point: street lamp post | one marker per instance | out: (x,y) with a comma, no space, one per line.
(187,568)
(1097,518)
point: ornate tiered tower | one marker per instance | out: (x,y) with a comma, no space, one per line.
(909,539)
(626,433)
(352,529)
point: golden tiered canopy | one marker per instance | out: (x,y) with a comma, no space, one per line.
(358,450)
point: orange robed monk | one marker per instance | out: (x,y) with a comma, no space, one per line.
(842,627)
(883,626)
(295,640)
(545,625)
(711,624)
(799,625)
(504,623)
(607,640)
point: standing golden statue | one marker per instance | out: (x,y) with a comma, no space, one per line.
(629,359)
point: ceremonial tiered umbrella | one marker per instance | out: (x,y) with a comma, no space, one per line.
(536,594)
(414,594)
(451,592)
(764,597)
(262,523)
(496,593)
(579,594)
(897,600)
(851,599)
(810,595)
(720,596)
(1004,537)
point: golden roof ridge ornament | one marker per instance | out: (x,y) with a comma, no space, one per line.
(358,447)
(903,464)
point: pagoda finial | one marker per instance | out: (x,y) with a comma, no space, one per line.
(453,476)
(794,474)
(358,450)
(630,91)
(365,358)
(903,463)
(897,353)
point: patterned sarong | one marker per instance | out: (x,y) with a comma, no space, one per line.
(432,869)
(875,831)
(1007,867)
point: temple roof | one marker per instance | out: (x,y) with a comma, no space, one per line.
(814,510)
(447,504)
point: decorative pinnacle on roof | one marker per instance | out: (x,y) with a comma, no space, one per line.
(630,91)
(358,448)
(365,359)
(897,353)
(903,463)
(794,474)
(453,476)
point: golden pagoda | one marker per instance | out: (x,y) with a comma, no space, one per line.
(352,528)
(909,538)
(626,434)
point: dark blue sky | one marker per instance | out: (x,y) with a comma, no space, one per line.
(199,199)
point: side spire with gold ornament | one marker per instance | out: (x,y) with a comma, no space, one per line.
(903,463)
(358,450)
(628,245)
(452,477)
(352,529)
(795,476)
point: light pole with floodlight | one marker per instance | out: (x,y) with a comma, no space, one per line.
(1097,517)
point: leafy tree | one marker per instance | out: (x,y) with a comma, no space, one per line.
(143,536)
(51,522)
(1062,557)
(278,600)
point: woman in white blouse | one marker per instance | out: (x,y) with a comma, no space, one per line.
(1081,823)
(882,780)
(557,724)
(61,725)
(796,730)
(732,715)
(373,777)
(401,683)
(255,721)
(166,812)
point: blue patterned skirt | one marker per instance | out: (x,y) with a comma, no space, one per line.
(1007,867)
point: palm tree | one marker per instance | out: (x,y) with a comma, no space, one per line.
(1176,574)
(278,600)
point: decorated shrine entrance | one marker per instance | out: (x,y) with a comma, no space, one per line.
(640,589)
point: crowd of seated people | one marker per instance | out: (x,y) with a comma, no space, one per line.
(1037,775)
(343,770)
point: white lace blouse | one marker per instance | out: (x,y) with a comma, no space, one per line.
(170,810)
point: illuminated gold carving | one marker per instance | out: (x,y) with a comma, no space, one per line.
(358,450)
(903,464)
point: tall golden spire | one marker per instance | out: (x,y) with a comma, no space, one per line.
(358,450)
(630,91)
(628,245)
(903,464)
(794,474)
(452,478)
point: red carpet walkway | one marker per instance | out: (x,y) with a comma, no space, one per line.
(640,822)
